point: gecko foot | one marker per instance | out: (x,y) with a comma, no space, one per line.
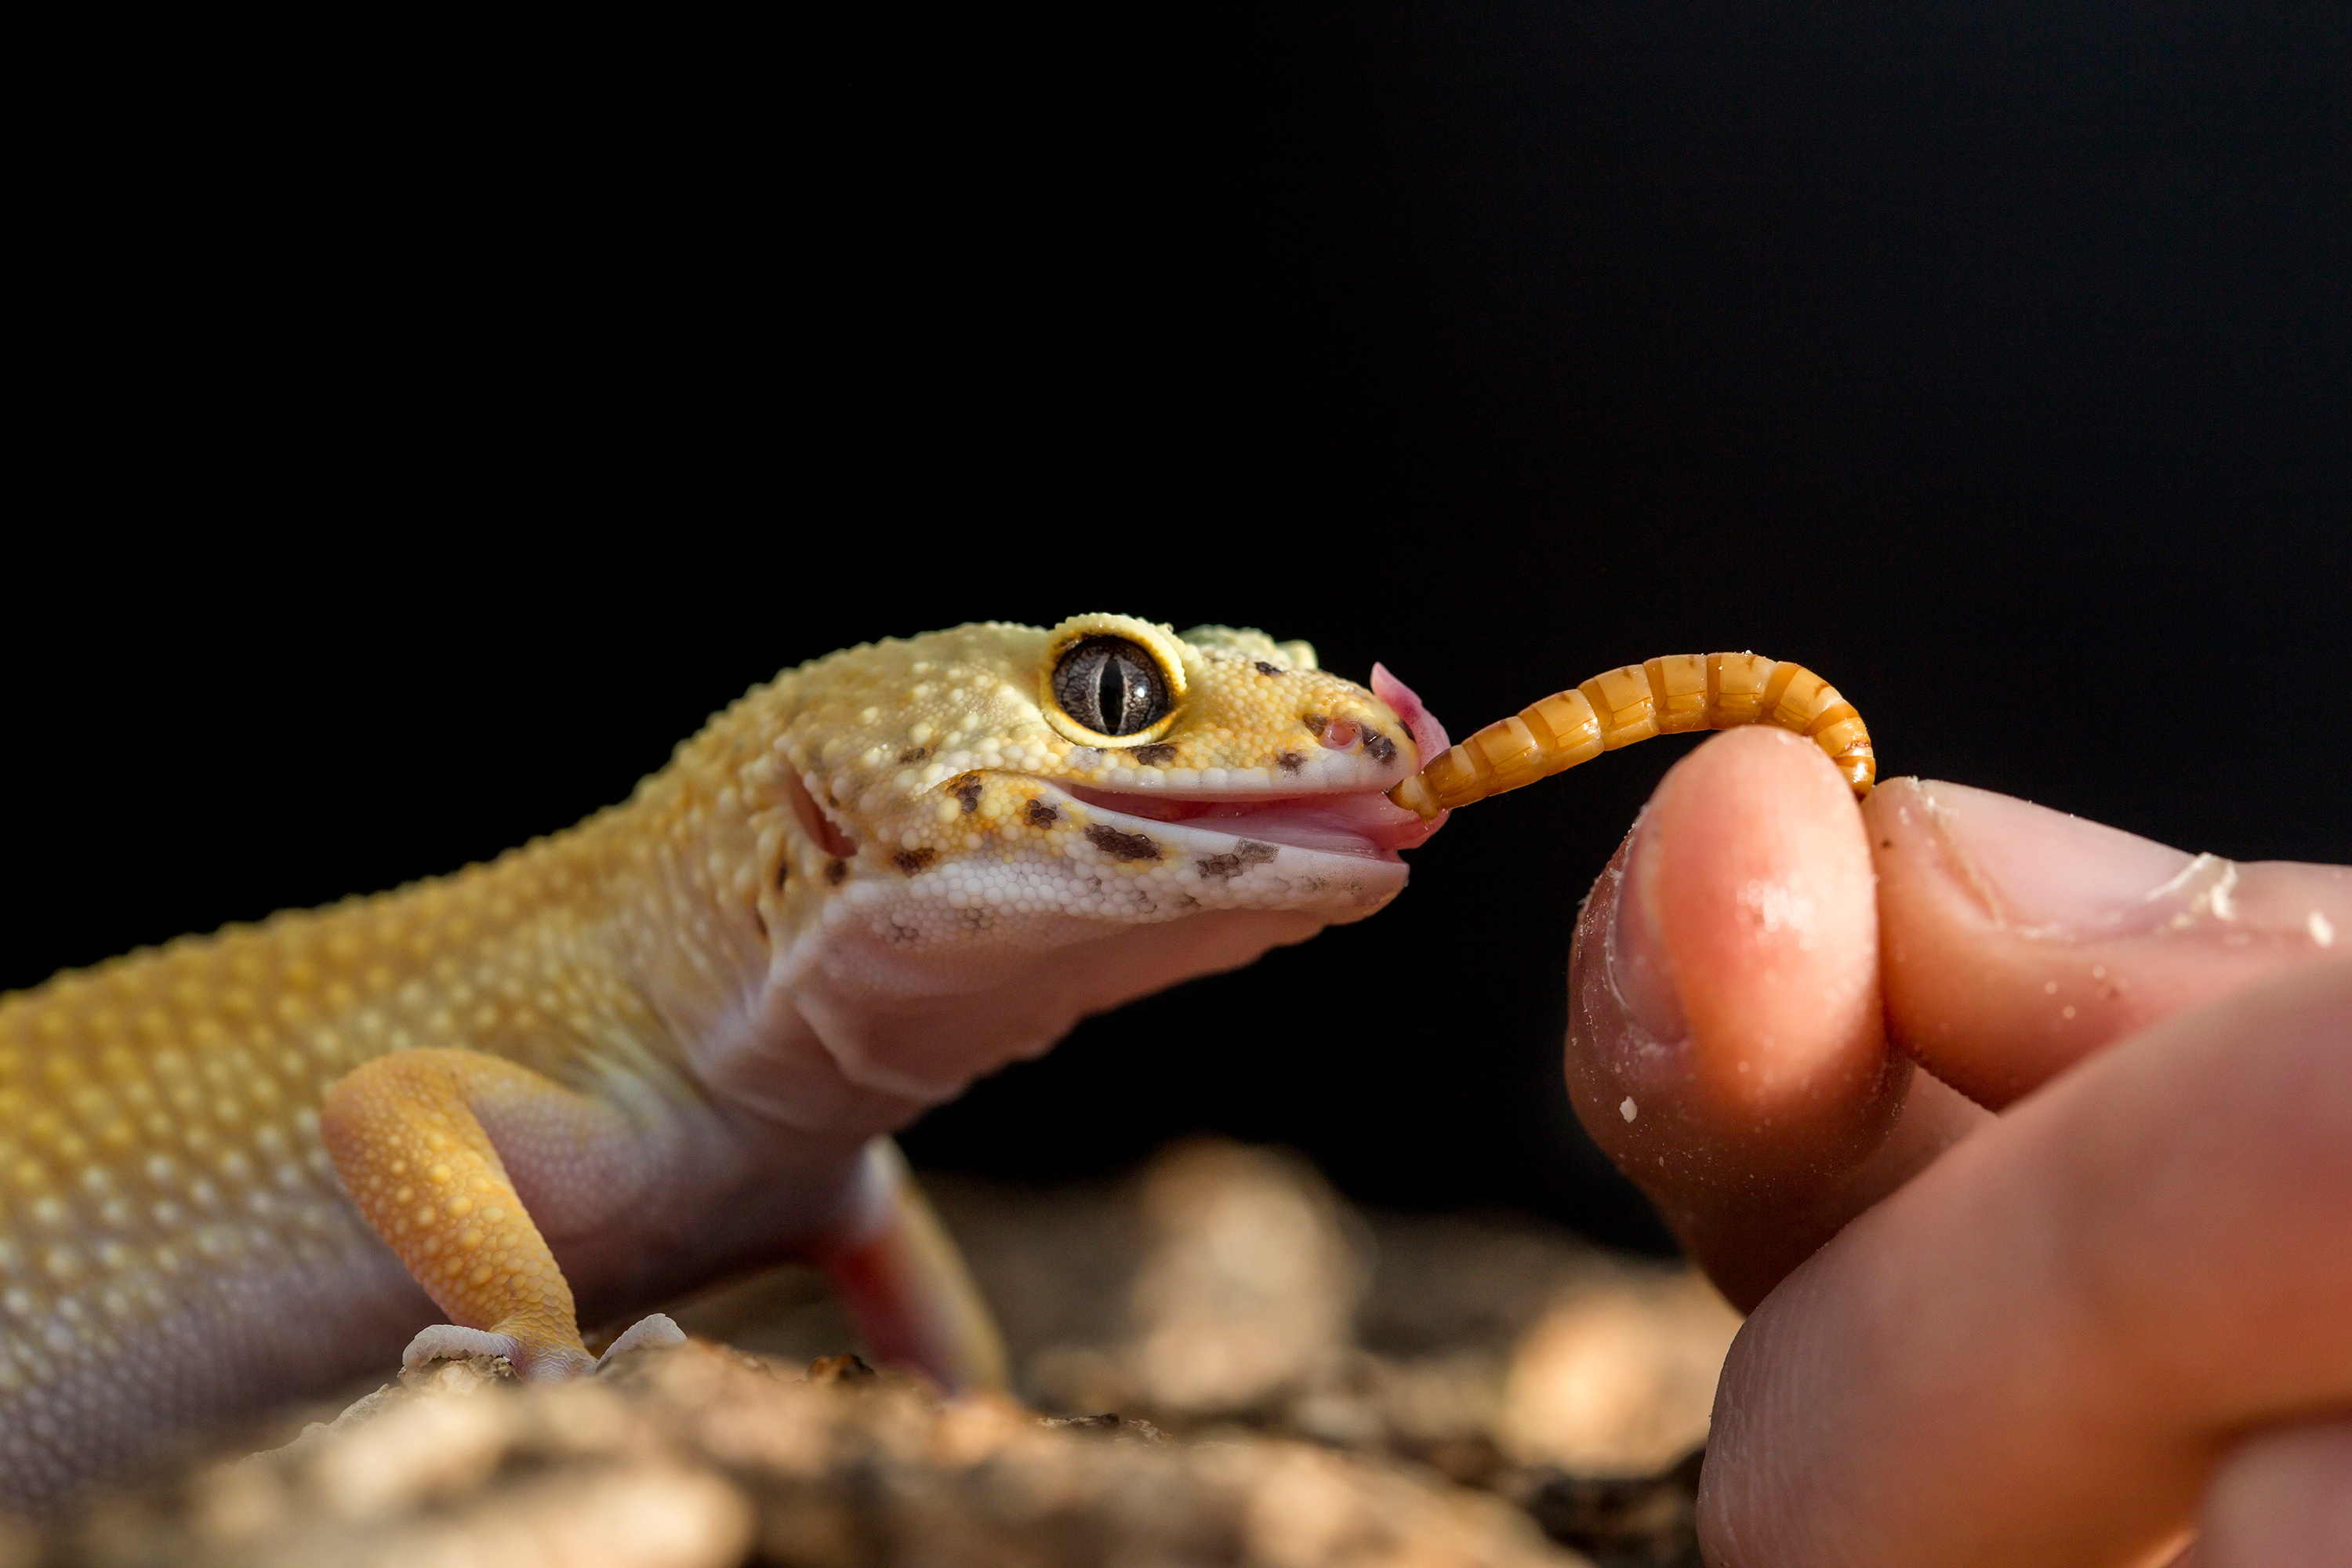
(447,1342)
(532,1364)
(653,1331)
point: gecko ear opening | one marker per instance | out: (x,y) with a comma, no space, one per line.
(822,830)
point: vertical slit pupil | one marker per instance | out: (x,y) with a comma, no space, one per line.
(1112,687)
(1112,695)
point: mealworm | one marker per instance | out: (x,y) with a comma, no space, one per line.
(1664,697)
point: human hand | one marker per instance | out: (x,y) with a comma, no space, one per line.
(2037,1333)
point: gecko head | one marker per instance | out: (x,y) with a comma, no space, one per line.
(1107,743)
(946,808)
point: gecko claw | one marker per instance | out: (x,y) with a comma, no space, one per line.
(653,1331)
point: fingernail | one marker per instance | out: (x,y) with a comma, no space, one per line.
(2044,873)
(1638,966)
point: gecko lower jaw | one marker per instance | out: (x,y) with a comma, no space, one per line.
(1361,822)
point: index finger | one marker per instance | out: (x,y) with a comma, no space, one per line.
(2017,940)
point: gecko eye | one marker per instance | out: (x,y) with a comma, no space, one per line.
(1110,686)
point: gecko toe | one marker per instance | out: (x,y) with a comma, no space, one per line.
(651,1332)
(448,1342)
(533,1360)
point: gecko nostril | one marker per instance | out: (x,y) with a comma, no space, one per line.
(1340,734)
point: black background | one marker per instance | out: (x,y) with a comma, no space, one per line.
(411,455)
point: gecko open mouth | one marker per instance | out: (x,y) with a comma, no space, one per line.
(1362,823)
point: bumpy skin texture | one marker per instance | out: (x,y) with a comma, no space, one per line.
(428,1177)
(622,1059)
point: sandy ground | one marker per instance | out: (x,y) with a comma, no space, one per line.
(1217,1361)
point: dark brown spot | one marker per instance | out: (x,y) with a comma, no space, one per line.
(1154,754)
(847,1367)
(1249,852)
(967,791)
(1265,669)
(1111,1425)
(914,754)
(762,919)
(1040,814)
(837,872)
(1382,749)
(1289,761)
(913,860)
(1886,843)
(783,871)
(1316,725)
(1122,845)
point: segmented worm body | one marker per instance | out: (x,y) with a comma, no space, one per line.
(1663,697)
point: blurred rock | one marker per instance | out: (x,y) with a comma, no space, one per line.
(1227,1363)
(1249,1285)
(1618,1377)
(1651,1522)
(698,1456)
(1227,1291)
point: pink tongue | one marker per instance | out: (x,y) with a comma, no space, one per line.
(1428,734)
(1343,824)
(1362,823)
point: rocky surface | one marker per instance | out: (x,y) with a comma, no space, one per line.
(1293,1384)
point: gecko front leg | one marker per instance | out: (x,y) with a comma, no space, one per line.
(905,1286)
(407,1132)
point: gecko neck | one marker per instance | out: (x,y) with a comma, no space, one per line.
(705,905)
(672,919)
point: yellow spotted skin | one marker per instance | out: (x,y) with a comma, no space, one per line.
(174,1226)
(429,1181)
(622,1058)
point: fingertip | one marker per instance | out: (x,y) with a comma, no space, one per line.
(1771,1111)
(1761,886)
(1724,982)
